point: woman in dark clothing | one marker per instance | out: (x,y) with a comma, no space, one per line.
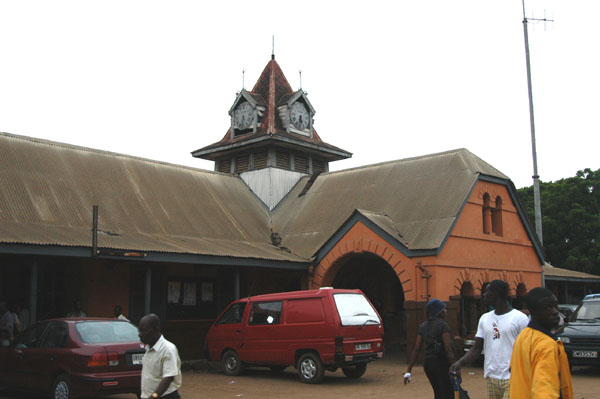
(434,334)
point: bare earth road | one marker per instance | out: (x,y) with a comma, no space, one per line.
(383,379)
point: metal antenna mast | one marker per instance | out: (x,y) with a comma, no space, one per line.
(536,177)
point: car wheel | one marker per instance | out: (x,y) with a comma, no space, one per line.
(355,371)
(62,387)
(231,363)
(310,368)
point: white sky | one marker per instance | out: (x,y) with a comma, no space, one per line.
(388,79)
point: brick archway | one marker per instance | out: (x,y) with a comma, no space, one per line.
(326,270)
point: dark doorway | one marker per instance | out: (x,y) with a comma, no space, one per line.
(373,276)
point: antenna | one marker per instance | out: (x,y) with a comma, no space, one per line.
(536,177)
(244,78)
(300,73)
(273,47)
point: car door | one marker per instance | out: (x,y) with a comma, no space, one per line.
(23,371)
(50,355)
(263,342)
(227,331)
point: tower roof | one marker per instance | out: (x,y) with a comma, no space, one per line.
(271,90)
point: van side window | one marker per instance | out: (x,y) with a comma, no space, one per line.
(304,311)
(265,313)
(234,314)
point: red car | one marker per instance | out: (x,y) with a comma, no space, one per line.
(74,357)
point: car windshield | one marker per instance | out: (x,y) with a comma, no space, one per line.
(588,311)
(93,332)
(355,310)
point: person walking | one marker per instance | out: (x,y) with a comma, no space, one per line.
(539,365)
(161,366)
(496,335)
(434,334)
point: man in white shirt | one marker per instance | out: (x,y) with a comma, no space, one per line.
(496,335)
(161,366)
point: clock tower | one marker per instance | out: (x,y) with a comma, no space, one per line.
(271,142)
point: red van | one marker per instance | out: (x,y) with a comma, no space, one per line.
(314,330)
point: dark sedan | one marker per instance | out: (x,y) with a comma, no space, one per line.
(74,357)
(581,335)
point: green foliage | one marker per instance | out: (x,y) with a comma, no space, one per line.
(570,220)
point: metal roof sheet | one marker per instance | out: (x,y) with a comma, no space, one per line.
(47,191)
(420,198)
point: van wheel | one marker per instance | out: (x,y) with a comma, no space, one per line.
(231,363)
(62,387)
(310,368)
(356,371)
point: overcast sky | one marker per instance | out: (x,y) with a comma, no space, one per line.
(388,79)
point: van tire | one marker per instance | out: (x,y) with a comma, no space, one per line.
(231,363)
(310,368)
(355,371)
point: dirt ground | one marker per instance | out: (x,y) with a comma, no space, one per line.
(383,379)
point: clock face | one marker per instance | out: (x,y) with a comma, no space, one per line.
(243,115)
(299,116)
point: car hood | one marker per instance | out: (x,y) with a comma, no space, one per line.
(582,328)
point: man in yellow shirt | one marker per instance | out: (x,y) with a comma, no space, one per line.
(539,365)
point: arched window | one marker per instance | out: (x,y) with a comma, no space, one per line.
(497,217)
(487,214)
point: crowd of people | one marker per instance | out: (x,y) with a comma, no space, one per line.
(523,357)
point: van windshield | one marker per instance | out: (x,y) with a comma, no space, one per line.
(355,310)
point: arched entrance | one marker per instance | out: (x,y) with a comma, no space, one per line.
(376,278)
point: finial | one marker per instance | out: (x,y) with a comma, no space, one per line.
(300,73)
(243,78)
(273,47)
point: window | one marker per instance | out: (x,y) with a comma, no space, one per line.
(31,337)
(93,332)
(487,214)
(300,163)
(355,310)
(497,217)
(492,216)
(242,163)
(234,314)
(260,160)
(189,298)
(265,313)
(56,335)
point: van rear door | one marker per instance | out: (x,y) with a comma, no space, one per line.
(361,326)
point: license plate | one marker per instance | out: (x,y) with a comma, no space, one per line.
(585,354)
(362,347)
(136,358)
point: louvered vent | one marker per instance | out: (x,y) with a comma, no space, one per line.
(224,166)
(282,160)
(242,163)
(318,166)
(260,160)
(300,163)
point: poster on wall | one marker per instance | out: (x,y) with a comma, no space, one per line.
(174,292)
(189,294)
(207,292)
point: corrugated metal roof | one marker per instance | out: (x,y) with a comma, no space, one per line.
(47,191)
(557,273)
(417,199)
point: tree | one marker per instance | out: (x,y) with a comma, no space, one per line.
(570,220)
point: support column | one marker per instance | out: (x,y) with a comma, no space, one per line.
(237,285)
(148,291)
(33,288)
